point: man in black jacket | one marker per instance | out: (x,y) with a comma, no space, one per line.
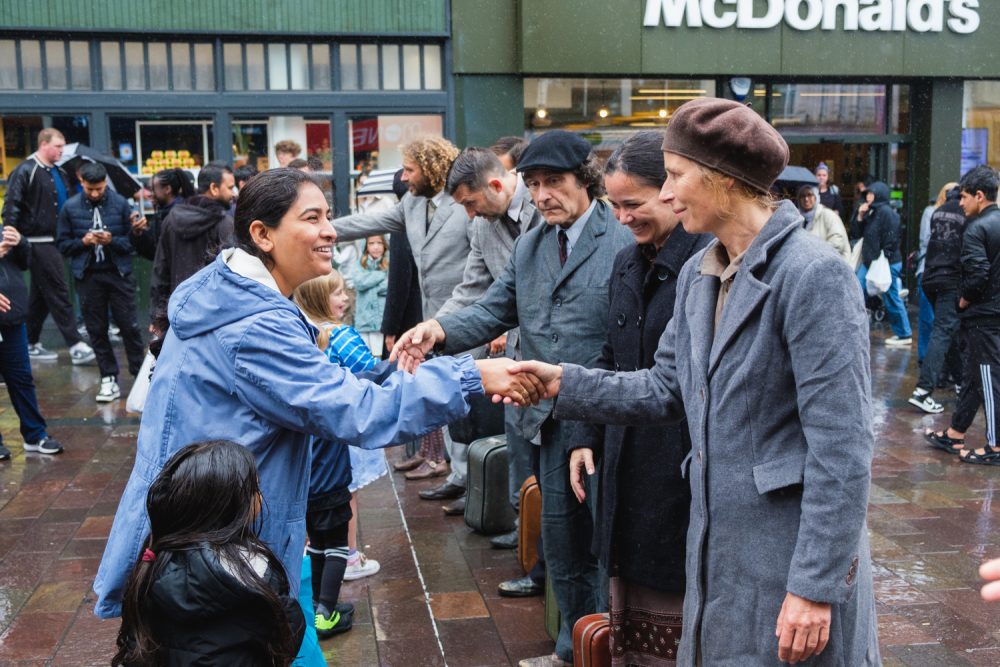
(93,232)
(36,192)
(170,187)
(942,273)
(15,365)
(881,235)
(979,314)
(192,234)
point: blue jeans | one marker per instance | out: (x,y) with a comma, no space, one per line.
(894,308)
(15,367)
(942,336)
(925,321)
(579,584)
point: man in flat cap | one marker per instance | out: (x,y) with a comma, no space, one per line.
(555,287)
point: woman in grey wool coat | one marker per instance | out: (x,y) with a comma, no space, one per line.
(767,356)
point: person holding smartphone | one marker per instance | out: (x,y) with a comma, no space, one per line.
(93,231)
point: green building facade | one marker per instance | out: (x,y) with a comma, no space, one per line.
(902,90)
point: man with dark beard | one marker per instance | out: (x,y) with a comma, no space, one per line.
(438,230)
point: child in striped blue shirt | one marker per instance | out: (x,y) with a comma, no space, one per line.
(323,300)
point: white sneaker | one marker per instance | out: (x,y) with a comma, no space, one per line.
(923,400)
(81,353)
(109,390)
(360,566)
(38,352)
(896,341)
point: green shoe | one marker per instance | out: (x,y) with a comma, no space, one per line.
(333,623)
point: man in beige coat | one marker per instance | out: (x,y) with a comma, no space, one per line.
(823,222)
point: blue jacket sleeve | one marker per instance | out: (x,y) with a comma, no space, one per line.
(67,242)
(290,382)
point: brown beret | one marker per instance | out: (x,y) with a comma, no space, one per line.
(729,137)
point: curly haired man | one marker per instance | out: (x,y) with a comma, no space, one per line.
(438,230)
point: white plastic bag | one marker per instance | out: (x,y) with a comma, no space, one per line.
(879,276)
(137,396)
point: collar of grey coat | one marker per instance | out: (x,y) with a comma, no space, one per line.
(667,262)
(748,292)
(597,225)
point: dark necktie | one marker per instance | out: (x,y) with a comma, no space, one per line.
(431,210)
(512,226)
(563,247)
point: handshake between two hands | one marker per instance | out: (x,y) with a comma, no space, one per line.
(520,383)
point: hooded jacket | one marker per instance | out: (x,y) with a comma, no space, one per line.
(943,263)
(980,284)
(191,235)
(240,362)
(881,228)
(203,615)
(12,283)
(77,218)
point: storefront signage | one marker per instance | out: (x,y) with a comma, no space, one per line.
(960,16)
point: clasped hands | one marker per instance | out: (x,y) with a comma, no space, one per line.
(519,383)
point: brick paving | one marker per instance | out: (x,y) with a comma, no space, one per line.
(932,522)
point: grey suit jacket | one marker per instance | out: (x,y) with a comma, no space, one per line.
(491,247)
(562,310)
(780,417)
(439,250)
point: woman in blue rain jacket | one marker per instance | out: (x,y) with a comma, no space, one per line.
(240,362)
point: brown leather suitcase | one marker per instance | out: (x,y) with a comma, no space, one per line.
(592,641)
(529,524)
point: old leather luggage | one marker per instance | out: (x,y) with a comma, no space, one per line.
(487,503)
(529,524)
(592,641)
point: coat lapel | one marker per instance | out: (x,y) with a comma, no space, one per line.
(699,310)
(444,211)
(585,245)
(749,292)
(747,295)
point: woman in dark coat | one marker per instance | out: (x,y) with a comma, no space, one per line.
(642,550)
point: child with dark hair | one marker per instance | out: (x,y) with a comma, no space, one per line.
(206,589)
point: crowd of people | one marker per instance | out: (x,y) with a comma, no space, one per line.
(656,326)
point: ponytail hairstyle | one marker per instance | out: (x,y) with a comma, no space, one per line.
(206,495)
(313,299)
(267,197)
(383,262)
(640,158)
(180,182)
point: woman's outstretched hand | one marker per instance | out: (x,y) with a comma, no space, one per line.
(518,388)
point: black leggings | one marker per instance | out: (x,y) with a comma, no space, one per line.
(328,558)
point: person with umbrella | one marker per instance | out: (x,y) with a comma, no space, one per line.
(36,191)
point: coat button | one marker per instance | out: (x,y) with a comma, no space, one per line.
(638,321)
(555,338)
(662,275)
(621,319)
(558,303)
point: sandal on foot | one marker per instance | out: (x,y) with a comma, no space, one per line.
(940,440)
(989,457)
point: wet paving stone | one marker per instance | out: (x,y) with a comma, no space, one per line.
(932,521)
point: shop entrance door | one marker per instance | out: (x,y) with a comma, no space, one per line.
(848,163)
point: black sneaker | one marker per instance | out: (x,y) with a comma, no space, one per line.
(46,445)
(332,623)
(4,453)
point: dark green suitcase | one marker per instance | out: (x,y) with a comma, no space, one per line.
(487,503)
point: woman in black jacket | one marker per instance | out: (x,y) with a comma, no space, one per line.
(643,504)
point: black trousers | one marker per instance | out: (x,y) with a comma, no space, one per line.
(980,379)
(49,294)
(99,291)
